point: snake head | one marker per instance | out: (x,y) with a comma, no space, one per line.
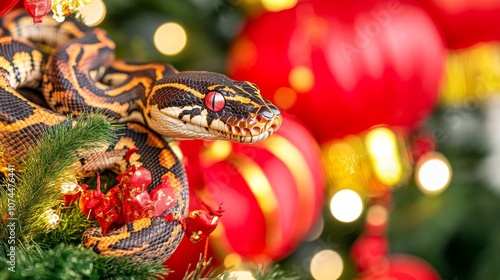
(206,105)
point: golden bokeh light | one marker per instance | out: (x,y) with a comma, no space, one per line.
(170,38)
(433,173)
(382,147)
(93,13)
(218,151)
(301,79)
(232,260)
(327,265)
(347,164)
(278,5)
(346,206)
(285,97)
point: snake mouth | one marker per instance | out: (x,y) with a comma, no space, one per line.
(253,129)
(250,130)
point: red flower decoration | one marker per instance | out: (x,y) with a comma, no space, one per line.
(37,9)
(90,200)
(135,178)
(128,201)
(200,223)
(163,197)
(136,207)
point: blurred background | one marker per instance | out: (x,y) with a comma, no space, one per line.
(386,165)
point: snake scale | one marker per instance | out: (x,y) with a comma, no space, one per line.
(74,68)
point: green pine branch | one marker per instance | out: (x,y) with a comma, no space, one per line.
(70,229)
(75,262)
(273,272)
(36,182)
(203,270)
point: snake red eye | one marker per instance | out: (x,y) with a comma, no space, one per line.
(215,101)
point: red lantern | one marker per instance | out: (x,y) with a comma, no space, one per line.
(272,191)
(6,5)
(344,66)
(465,23)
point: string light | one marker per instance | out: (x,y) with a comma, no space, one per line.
(170,38)
(51,218)
(278,5)
(433,173)
(93,13)
(346,206)
(63,8)
(70,186)
(326,265)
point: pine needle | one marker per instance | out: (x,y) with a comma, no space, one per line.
(203,270)
(274,272)
(70,229)
(75,262)
(45,167)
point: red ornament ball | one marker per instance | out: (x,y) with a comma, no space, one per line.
(342,67)
(272,191)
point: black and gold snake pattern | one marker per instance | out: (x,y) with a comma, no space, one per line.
(75,70)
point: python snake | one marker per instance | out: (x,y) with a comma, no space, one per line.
(75,69)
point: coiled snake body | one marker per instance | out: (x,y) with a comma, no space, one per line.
(81,74)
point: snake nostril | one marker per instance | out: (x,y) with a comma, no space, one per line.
(265,113)
(276,111)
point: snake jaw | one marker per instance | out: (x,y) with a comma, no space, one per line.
(256,128)
(253,129)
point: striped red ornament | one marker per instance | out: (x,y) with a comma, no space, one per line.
(272,192)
